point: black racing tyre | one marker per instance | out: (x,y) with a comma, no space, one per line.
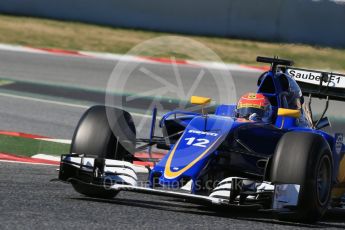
(98,136)
(305,159)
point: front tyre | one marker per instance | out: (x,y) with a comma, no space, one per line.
(105,132)
(305,159)
(102,133)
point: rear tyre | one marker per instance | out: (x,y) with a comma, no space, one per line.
(304,159)
(96,136)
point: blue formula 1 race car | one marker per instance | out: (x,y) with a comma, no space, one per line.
(266,152)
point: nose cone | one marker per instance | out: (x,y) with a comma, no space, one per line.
(194,149)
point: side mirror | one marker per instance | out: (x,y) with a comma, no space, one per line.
(295,113)
(287,117)
(196,100)
(323,123)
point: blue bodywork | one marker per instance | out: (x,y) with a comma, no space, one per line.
(207,141)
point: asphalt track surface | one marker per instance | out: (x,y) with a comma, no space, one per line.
(87,76)
(29,201)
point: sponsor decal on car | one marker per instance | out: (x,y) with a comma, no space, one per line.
(203,133)
(313,77)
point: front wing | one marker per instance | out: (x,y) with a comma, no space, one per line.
(98,177)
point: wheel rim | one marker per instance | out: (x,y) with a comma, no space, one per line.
(323,181)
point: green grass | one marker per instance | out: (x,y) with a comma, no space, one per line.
(29,147)
(78,36)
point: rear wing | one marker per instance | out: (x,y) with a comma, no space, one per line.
(318,83)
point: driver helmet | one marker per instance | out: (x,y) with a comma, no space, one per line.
(255,107)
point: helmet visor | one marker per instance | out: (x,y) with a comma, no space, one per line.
(247,111)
